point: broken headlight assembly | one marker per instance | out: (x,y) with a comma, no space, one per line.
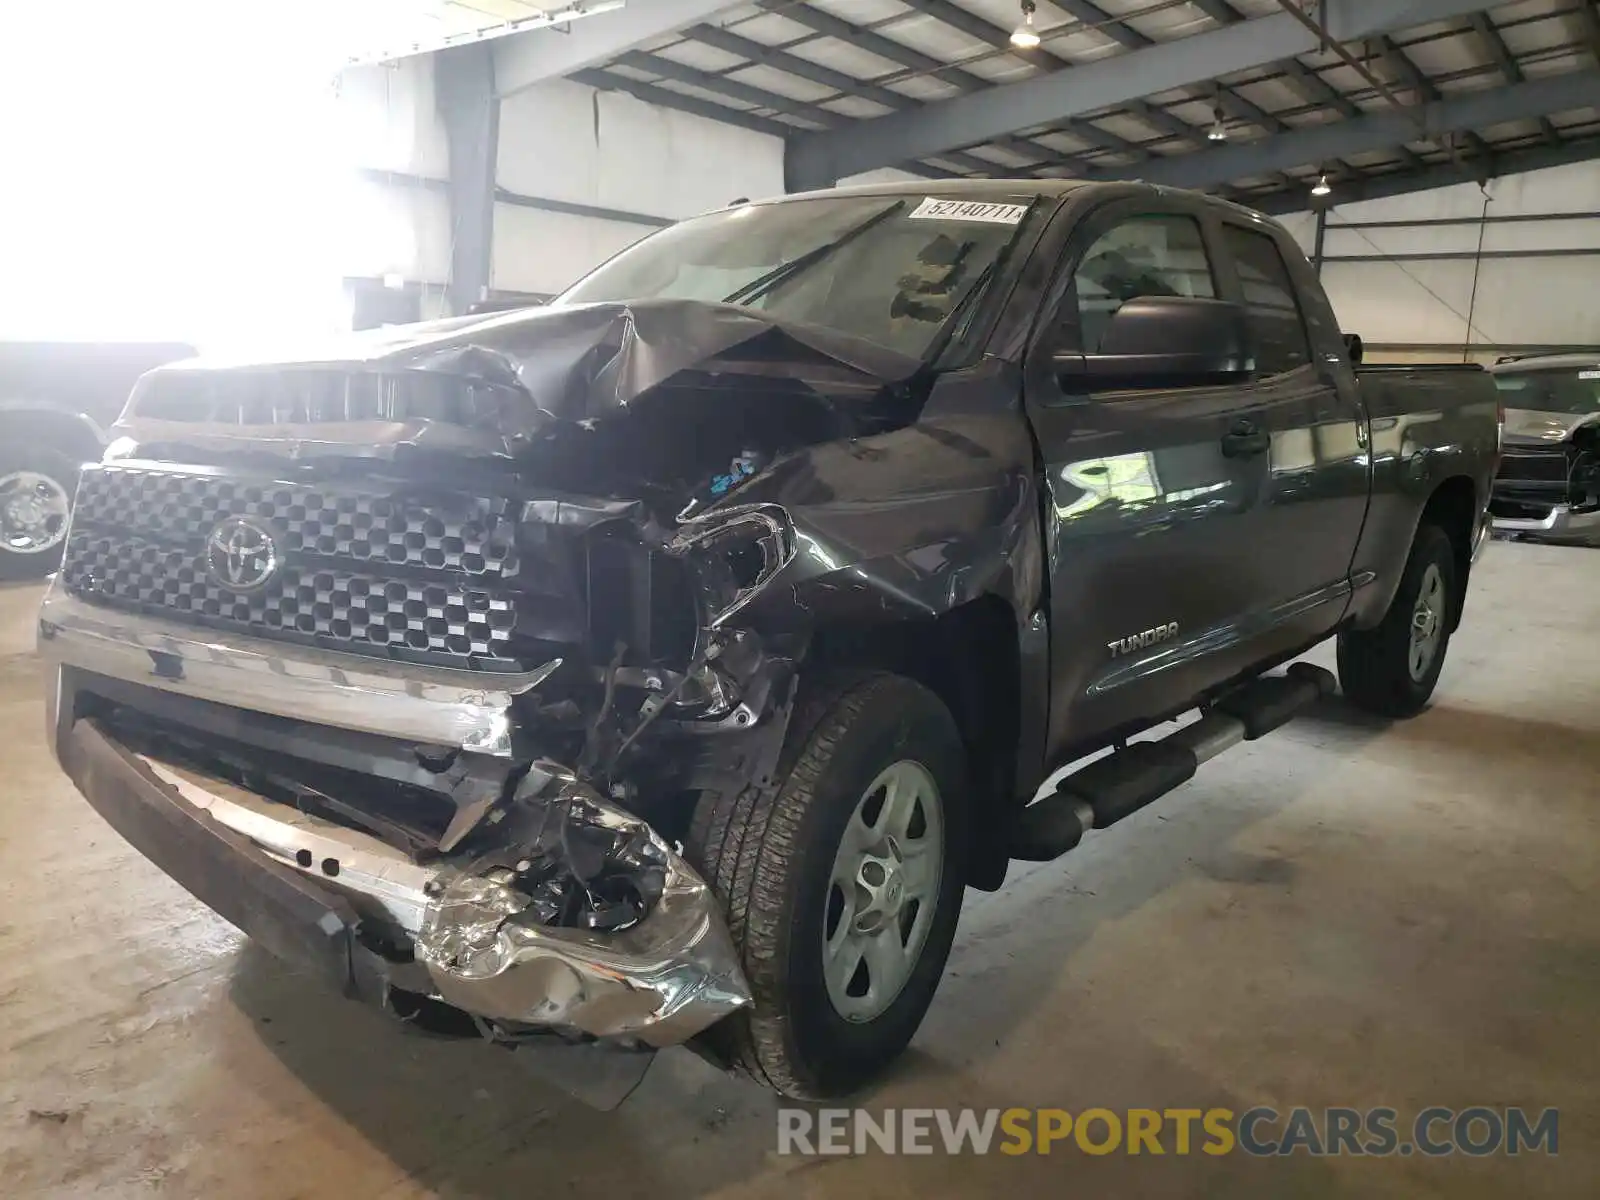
(737,552)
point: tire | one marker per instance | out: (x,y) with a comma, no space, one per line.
(1378,667)
(772,857)
(50,476)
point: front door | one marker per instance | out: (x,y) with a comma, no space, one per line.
(1154,499)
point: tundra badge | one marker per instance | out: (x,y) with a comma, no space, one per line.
(1139,641)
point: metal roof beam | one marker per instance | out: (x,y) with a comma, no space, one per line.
(1404,183)
(1417,80)
(803,68)
(1506,62)
(744,93)
(606,81)
(1377,131)
(981,30)
(1052,99)
(828,25)
(1589,23)
(1219,11)
(525,59)
(1319,91)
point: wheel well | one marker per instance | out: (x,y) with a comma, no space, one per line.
(1453,507)
(62,431)
(969,658)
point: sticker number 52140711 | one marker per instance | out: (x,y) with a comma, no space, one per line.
(969,210)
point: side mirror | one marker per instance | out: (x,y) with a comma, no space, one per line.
(1164,342)
(1355,348)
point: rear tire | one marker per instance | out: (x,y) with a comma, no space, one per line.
(37,484)
(804,885)
(1391,670)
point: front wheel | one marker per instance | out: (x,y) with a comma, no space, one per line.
(36,487)
(843,889)
(1392,670)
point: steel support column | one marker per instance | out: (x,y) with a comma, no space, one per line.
(463,85)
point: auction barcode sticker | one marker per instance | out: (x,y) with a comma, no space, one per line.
(969,210)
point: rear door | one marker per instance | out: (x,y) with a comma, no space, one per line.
(1317,477)
(1153,519)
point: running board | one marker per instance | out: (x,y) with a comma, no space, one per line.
(1113,787)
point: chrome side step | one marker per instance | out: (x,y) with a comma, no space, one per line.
(1120,784)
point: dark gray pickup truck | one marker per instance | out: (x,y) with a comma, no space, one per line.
(659,667)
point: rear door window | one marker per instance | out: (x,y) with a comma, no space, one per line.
(1269,296)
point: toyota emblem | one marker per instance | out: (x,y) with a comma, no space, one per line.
(241,555)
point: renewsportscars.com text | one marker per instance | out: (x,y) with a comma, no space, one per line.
(1261,1131)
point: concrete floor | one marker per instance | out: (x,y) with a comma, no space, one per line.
(1342,914)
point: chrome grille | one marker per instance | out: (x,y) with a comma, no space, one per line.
(470,534)
(409,574)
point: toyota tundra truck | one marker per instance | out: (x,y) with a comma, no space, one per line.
(660,667)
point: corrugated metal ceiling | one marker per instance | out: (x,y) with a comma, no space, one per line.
(809,65)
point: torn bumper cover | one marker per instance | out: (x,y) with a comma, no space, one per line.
(378,926)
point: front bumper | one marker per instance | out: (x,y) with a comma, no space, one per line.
(437,706)
(376,925)
(1561,521)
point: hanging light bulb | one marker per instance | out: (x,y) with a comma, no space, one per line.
(1321,188)
(1025,36)
(1219,128)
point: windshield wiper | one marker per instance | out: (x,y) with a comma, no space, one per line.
(783,272)
(963,308)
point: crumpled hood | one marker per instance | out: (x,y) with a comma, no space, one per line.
(526,370)
(1531,426)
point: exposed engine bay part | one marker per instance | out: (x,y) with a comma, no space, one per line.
(583,920)
(492,385)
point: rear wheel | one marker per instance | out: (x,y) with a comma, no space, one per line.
(36,487)
(1392,670)
(843,889)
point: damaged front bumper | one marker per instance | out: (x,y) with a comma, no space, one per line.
(1560,521)
(384,928)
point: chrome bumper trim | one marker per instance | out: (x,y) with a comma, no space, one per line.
(436,705)
(659,982)
(1560,522)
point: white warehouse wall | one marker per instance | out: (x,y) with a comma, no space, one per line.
(389,123)
(559,142)
(565,142)
(610,152)
(1417,309)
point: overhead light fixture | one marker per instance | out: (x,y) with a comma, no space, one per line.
(1219,127)
(1025,36)
(1321,188)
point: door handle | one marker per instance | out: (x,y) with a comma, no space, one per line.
(1244,439)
